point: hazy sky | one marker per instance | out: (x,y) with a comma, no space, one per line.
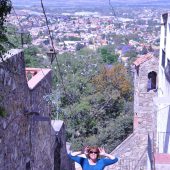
(86,2)
(80,1)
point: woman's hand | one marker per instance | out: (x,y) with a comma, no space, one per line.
(102,151)
(75,153)
(86,149)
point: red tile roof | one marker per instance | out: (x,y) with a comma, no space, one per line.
(142,59)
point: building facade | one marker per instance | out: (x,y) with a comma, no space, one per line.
(135,150)
(162,150)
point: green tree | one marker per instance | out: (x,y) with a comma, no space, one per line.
(31,58)
(12,35)
(108,56)
(94,101)
(116,77)
(5,8)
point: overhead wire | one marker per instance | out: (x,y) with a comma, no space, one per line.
(21,31)
(117,19)
(55,54)
(121,22)
(114,13)
(123,28)
(51,38)
(52,43)
(19,22)
(21,27)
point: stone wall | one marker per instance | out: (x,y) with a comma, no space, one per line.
(144,106)
(27,139)
(14,126)
(135,149)
(62,161)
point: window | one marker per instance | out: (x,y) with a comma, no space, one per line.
(165,18)
(163,59)
(137,70)
(151,81)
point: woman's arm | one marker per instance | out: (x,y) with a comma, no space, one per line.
(103,153)
(110,158)
(75,157)
(76,153)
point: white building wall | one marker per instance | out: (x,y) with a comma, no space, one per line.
(163,112)
(163,137)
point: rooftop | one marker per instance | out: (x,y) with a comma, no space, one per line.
(143,58)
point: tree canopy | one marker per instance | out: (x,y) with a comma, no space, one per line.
(97,107)
(5,8)
(108,54)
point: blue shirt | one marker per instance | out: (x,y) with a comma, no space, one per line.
(100,164)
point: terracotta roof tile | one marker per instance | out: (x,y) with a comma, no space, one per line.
(142,59)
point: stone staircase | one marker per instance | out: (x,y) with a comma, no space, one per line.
(132,153)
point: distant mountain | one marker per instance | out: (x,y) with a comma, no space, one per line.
(90,3)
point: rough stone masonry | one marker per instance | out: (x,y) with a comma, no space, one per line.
(28,139)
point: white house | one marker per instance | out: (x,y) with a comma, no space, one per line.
(162,151)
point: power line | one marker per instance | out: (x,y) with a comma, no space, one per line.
(52,43)
(19,22)
(21,32)
(117,19)
(121,22)
(114,13)
(55,52)
(50,35)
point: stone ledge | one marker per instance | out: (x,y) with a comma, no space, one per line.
(11,53)
(38,77)
(57,124)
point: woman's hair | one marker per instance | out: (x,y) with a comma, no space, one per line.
(93,149)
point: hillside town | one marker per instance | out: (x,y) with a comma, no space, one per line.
(138,30)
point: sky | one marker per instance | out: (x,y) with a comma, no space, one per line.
(86,3)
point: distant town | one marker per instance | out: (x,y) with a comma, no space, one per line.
(137,28)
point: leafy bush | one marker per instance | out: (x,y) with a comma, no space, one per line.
(97,102)
(108,57)
(5,9)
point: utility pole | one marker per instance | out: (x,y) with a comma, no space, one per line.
(22,33)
